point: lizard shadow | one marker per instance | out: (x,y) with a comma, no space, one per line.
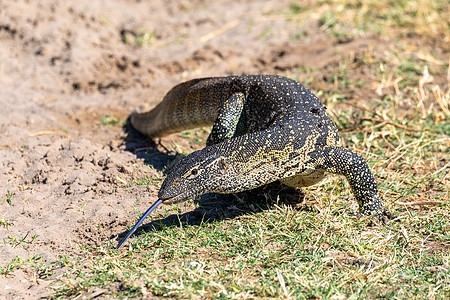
(217,207)
(146,148)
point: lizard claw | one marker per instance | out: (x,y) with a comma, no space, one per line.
(383,216)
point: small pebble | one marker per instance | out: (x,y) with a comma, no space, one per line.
(193,264)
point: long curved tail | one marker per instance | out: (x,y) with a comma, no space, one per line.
(191,104)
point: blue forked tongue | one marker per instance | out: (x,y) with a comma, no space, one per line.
(145,215)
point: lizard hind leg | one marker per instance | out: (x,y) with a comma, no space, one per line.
(230,121)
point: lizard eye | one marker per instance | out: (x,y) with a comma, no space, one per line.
(192,173)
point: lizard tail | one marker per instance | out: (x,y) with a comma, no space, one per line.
(189,105)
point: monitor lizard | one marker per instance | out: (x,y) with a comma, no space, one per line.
(265,128)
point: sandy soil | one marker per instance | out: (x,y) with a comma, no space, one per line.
(64,66)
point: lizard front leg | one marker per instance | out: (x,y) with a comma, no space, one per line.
(342,161)
(230,121)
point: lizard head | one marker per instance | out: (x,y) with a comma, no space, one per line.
(201,172)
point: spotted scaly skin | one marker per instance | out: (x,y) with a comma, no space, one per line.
(265,128)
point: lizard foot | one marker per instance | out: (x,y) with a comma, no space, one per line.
(280,193)
(383,216)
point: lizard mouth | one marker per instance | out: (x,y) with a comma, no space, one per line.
(181,197)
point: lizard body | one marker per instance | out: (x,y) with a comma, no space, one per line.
(265,128)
